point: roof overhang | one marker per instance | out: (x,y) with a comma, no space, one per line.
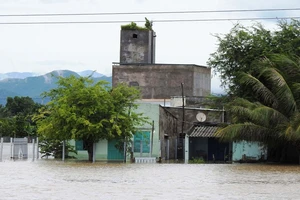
(203,130)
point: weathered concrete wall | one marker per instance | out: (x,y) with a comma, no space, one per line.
(167,131)
(190,116)
(137,46)
(202,81)
(161,81)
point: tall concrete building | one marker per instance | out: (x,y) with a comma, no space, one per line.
(137,67)
(160,83)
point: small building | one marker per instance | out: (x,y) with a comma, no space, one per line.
(146,141)
(203,144)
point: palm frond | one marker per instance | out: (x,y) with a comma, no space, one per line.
(267,116)
(259,89)
(281,90)
(289,67)
(246,131)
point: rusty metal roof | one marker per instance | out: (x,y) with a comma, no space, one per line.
(203,131)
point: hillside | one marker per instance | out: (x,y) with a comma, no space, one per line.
(34,86)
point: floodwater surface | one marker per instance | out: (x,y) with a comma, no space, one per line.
(49,179)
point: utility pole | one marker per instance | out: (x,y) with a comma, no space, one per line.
(182,124)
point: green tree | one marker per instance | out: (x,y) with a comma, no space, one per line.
(82,109)
(272,115)
(7,127)
(242,45)
(52,147)
(21,105)
(16,117)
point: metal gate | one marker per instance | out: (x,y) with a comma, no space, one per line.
(20,148)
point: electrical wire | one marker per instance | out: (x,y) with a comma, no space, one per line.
(149,12)
(154,21)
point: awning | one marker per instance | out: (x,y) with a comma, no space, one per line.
(203,131)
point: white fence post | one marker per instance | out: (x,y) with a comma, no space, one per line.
(37,148)
(63,150)
(33,149)
(1,149)
(94,152)
(11,148)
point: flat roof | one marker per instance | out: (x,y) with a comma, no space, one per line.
(154,64)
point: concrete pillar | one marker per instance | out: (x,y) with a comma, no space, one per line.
(11,147)
(125,150)
(63,150)
(176,147)
(33,149)
(37,148)
(141,148)
(94,152)
(168,149)
(186,149)
(1,149)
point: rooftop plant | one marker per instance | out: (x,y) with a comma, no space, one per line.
(134,26)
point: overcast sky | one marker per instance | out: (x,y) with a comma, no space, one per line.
(78,47)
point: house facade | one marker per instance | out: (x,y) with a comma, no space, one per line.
(173,97)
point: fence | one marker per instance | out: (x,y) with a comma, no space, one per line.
(18,149)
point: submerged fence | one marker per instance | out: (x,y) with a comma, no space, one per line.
(19,149)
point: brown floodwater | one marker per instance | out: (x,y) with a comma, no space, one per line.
(49,179)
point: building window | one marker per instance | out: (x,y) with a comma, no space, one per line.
(142,140)
(134,35)
(134,84)
(80,145)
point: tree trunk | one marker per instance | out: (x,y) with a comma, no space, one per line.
(90,149)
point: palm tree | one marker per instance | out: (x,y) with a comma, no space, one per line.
(270,114)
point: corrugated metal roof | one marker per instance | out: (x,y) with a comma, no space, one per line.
(203,131)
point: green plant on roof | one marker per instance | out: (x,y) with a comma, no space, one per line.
(148,24)
(134,26)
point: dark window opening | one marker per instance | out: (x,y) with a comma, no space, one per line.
(134,35)
(134,83)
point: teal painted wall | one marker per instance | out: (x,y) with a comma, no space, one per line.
(101,151)
(152,112)
(149,110)
(251,149)
(114,154)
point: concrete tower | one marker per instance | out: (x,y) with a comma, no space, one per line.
(137,47)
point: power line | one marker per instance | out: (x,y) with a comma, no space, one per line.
(150,12)
(155,21)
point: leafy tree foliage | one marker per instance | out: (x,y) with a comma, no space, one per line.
(82,109)
(16,117)
(52,147)
(261,70)
(238,49)
(272,114)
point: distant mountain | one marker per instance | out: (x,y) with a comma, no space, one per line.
(90,72)
(34,86)
(20,75)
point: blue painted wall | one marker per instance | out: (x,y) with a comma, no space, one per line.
(251,149)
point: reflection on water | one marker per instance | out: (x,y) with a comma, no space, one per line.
(48,179)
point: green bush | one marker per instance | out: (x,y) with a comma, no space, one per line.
(197,160)
(134,26)
(54,148)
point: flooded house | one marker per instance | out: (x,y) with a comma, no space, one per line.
(181,126)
